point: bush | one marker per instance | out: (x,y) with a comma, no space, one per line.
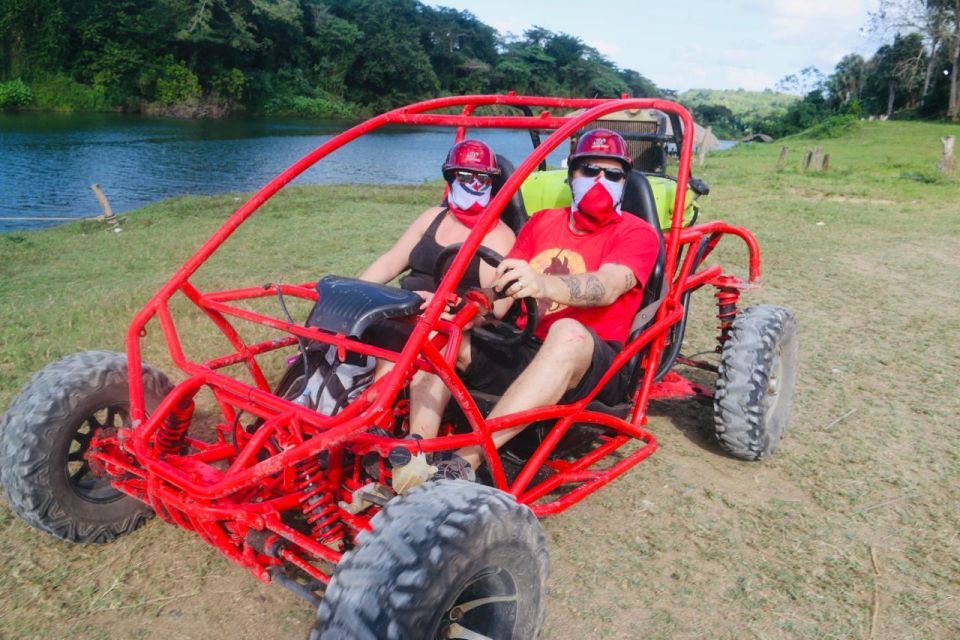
(833,127)
(14,94)
(177,84)
(309,107)
(229,84)
(854,108)
(62,93)
(925,176)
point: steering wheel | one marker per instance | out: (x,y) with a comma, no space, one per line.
(503,332)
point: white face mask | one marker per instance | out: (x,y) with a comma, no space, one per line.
(469,197)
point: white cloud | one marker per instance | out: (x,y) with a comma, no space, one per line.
(815,22)
(509,26)
(609,49)
(744,78)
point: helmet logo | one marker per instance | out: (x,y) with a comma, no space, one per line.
(473,155)
(600,142)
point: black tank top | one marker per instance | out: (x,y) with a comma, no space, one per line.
(423,259)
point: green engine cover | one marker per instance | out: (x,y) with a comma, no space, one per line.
(549,190)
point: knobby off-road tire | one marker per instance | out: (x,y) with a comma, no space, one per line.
(447,553)
(758,370)
(45,433)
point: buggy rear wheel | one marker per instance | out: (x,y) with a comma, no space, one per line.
(44,439)
(758,370)
(449,559)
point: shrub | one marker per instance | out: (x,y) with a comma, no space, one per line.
(833,127)
(854,108)
(14,94)
(60,92)
(229,84)
(309,107)
(177,84)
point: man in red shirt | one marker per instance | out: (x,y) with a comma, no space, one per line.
(587,265)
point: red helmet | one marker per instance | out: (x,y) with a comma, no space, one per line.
(601,143)
(471,155)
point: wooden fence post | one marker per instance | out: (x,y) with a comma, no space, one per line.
(948,162)
(782,161)
(817,156)
(807,157)
(826,162)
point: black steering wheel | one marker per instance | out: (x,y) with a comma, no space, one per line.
(503,332)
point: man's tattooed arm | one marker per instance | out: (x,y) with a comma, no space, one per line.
(585,289)
(592,289)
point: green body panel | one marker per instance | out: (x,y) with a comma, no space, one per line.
(549,190)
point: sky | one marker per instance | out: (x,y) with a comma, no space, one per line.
(697,44)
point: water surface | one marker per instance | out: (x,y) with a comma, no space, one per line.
(49,161)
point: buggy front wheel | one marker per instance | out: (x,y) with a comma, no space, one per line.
(44,439)
(449,559)
(758,370)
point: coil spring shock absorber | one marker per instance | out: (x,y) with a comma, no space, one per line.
(727,295)
(318,504)
(170,433)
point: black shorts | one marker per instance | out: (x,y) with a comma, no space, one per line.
(494,367)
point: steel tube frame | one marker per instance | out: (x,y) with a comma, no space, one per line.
(163,483)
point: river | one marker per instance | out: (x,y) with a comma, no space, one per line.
(48,161)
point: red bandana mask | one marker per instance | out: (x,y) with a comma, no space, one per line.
(596,202)
(468,201)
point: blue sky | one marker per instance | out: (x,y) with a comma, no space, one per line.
(684,44)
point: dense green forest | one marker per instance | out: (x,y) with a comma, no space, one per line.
(308,57)
(334,58)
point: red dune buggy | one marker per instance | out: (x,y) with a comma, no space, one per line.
(98,442)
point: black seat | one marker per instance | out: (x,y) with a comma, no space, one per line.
(514,215)
(638,199)
(349,306)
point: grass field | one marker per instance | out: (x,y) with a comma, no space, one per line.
(851,527)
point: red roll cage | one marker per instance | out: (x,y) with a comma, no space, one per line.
(234,497)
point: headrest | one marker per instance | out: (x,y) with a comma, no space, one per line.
(514,215)
(638,199)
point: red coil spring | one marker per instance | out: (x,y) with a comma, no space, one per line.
(170,433)
(727,299)
(318,504)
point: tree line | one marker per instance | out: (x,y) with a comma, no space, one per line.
(917,75)
(335,58)
(309,57)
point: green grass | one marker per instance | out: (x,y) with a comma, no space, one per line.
(77,286)
(690,544)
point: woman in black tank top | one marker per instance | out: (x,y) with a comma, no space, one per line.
(423,260)
(468,171)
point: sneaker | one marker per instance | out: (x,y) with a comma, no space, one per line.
(453,467)
(409,469)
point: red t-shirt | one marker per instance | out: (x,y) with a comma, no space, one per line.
(552,248)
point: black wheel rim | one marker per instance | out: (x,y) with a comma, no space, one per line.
(484,609)
(81,478)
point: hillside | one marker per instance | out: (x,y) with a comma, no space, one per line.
(744,104)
